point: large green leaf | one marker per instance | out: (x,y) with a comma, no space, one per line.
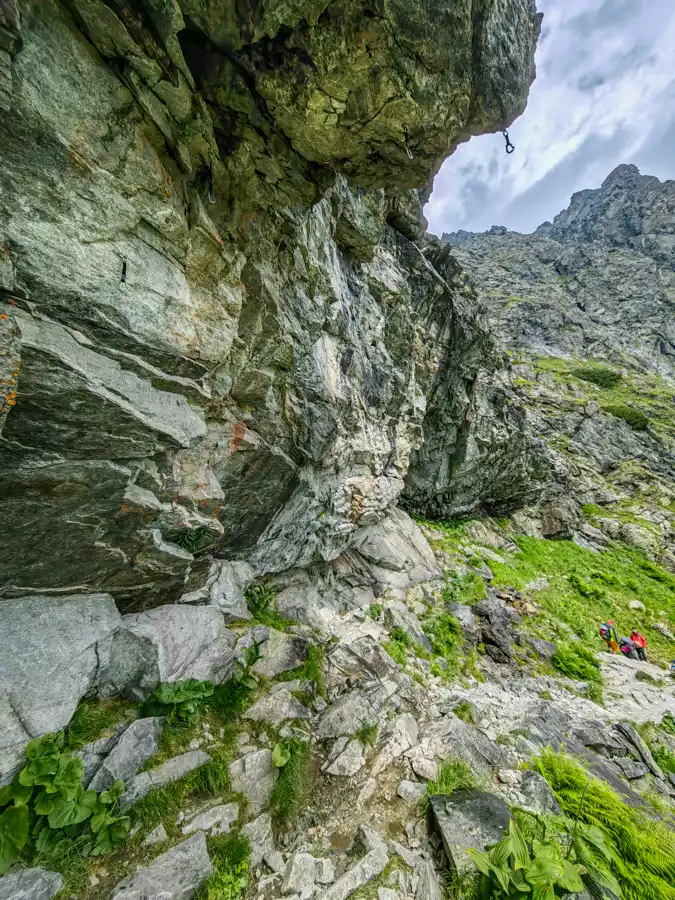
(44,803)
(481,861)
(69,776)
(570,880)
(113,794)
(111,836)
(13,835)
(281,754)
(521,854)
(72,812)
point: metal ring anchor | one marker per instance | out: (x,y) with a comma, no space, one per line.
(509,146)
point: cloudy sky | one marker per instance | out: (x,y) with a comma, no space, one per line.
(604,94)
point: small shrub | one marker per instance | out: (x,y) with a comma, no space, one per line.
(633,417)
(447,640)
(374,611)
(467,588)
(464,711)
(664,757)
(194,540)
(585,588)
(668,724)
(260,601)
(600,375)
(396,651)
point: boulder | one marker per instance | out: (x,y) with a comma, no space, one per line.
(630,769)
(346,716)
(468,819)
(30,884)
(276,708)
(536,794)
(224,588)
(53,648)
(175,875)
(325,870)
(280,653)
(367,868)
(300,876)
(134,748)
(260,838)
(404,736)
(170,643)
(345,759)
(217,820)
(171,770)
(360,660)
(543,649)
(411,791)
(254,776)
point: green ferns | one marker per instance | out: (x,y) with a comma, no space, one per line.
(641,850)
(46,809)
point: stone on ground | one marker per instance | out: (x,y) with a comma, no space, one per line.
(175,875)
(54,647)
(171,770)
(468,819)
(346,758)
(157,836)
(276,708)
(280,653)
(254,776)
(369,867)
(137,744)
(300,876)
(170,643)
(346,716)
(217,820)
(411,791)
(30,884)
(260,837)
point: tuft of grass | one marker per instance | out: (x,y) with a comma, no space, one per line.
(367,734)
(94,719)
(664,757)
(641,849)
(464,711)
(447,640)
(374,611)
(260,599)
(600,375)
(396,651)
(453,775)
(633,417)
(310,670)
(292,788)
(230,855)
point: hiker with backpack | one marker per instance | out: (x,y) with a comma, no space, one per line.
(640,642)
(627,648)
(609,636)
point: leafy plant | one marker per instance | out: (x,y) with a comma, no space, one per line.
(46,806)
(281,754)
(585,588)
(230,856)
(515,868)
(193,539)
(374,611)
(260,600)
(668,724)
(179,700)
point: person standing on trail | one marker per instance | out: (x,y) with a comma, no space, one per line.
(640,642)
(609,636)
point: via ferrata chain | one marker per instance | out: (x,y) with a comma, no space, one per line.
(509,146)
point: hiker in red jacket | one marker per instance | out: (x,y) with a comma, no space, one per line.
(640,644)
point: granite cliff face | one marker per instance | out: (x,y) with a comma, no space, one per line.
(221,333)
(586,305)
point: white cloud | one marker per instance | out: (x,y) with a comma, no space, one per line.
(603,95)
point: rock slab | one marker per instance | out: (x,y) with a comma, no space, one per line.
(30,884)
(175,875)
(468,819)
